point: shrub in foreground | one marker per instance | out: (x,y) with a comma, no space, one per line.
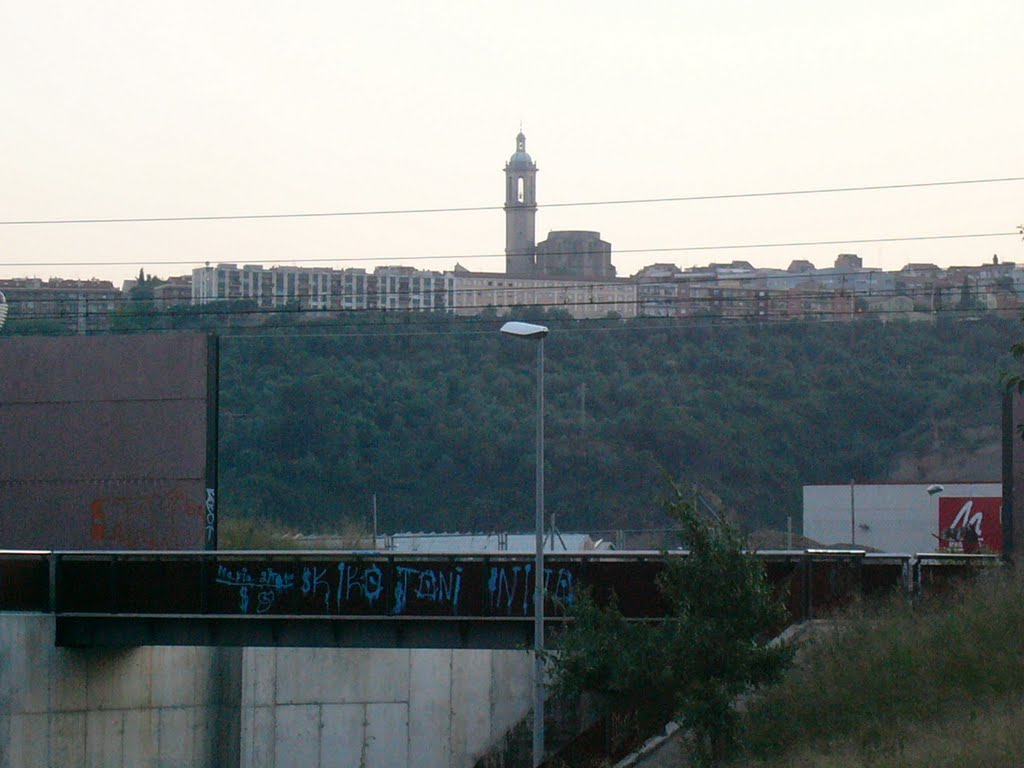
(712,646)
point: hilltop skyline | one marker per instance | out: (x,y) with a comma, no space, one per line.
(260,109)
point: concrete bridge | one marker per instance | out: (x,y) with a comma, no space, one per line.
(265,659)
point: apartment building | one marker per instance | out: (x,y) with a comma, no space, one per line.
(75,306)
(325,288)
(477,291)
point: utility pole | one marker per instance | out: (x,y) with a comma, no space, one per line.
(374,521)
(583,411)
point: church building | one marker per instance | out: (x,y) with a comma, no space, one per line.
(574,253)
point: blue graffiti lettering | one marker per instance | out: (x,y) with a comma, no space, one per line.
(564,592)
(428,585)
(271,579)
(504,590)
(313,581)
(270,583)
(367,582)
(265,600)
(232,578)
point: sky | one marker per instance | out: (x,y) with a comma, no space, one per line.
(154,109)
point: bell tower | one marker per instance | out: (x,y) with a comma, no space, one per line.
(520,211)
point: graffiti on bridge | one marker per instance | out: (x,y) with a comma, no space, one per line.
(376,587)
(265,587)
(510,588)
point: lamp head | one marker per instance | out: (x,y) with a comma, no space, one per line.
(933,489)
(524,330)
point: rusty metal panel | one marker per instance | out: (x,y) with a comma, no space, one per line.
(1013,475)
(98,368)
(105,441)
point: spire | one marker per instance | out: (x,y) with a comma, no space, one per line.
(520,141)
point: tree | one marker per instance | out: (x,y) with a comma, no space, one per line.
(711,648)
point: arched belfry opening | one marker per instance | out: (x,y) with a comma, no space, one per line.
(520,211)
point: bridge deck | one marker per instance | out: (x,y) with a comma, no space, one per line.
(390,600)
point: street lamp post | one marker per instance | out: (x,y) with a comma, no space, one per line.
(538,332)
(936,490)
(853,517)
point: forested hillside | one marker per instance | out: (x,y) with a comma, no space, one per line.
(435,415)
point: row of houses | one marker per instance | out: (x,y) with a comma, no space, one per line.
(729,290)
(736,289)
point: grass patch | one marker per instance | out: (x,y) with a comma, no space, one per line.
(937,682)
(252,533)
(263,534)
(976,737)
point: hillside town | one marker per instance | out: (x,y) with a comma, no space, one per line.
(570,270)
(735,289)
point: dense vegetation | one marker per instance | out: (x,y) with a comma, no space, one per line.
(936,684)
(436,415)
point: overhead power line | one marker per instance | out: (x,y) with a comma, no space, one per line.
(466,256)
(477,208)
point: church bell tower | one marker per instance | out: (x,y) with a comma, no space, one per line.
(520,211)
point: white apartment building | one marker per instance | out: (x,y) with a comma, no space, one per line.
(324,287)
(477,291)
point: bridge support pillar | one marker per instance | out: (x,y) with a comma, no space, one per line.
(117,708)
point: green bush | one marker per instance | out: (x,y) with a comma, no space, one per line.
(711,647)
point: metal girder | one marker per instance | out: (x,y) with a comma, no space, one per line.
(393,600)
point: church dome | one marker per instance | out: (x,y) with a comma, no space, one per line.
(521,159)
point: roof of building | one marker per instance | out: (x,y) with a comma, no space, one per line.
(573,234)
(490,542)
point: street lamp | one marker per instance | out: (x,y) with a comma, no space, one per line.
(538,332)
(853,517)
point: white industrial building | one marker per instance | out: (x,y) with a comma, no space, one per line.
(889,517)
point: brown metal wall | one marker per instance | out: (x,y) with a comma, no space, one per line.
(103,441)
(1013,476)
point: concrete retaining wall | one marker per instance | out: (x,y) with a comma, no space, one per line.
(320,708)
(172,707)
(160,707)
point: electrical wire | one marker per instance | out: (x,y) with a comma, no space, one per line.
(467,256)
(474,208)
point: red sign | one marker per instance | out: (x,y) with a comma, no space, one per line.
(971,524)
